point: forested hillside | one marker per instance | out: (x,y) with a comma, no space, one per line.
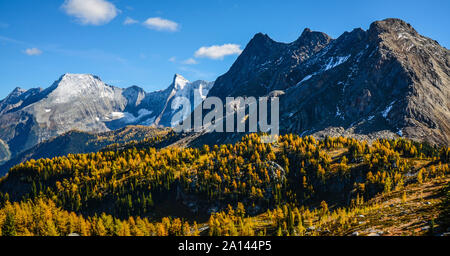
(86,142)
(296,186)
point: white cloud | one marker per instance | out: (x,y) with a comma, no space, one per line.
(217,52)
(33,51)
(130,21)
(161,24)
(91,12)
(173,59)
(190,61)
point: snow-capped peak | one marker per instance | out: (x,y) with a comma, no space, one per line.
(77,78)
(179,82)
(17,92)
(74,85)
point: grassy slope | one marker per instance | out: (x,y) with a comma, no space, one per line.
(389,214)
(411,211)
(396,215)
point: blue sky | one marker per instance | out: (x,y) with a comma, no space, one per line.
(144,43)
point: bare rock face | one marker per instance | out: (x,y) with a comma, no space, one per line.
(388,78)
(266,65)
(388,81)
(85,103)
(81,102)
(425,113)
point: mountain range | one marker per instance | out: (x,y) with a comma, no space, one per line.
(387,81)
(83,102)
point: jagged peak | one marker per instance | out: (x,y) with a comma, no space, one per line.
(179,82)
(261,36)
(134,95)
(17,91)
(355,34)
(260,39)
(310,35)
(77,85)
(70,80)
(134,91)
(392,21)
(258,45)
(178,76)
(74,76)
(134,88)
(306,31)
(391,25)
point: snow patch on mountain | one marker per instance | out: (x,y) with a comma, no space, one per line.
(306,78)
(339,113)
(387,110)
(72,86)
(115,115)
(336,61)
(195,92)
(180,82)
(332,63)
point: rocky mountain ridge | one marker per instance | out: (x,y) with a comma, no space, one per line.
(387,81)
(83,102)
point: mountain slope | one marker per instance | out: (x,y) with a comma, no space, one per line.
(81,102)
(78,142)
(299,175)
(388,81)
(388,78)
(266,65)
(85,103)
(195,92)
